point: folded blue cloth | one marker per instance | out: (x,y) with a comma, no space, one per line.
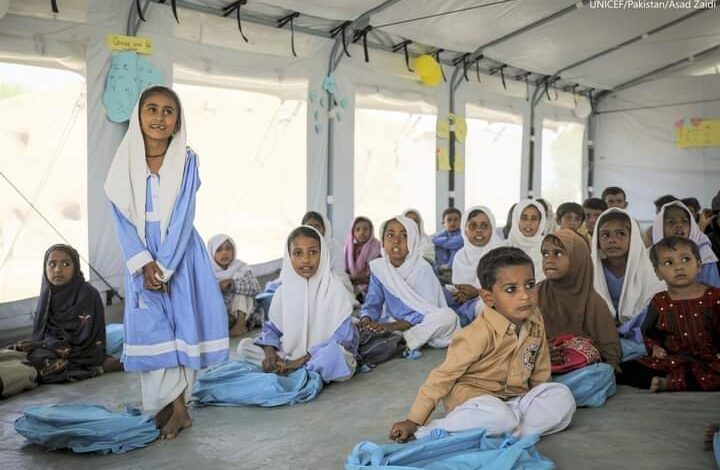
(114,337)
(237,383)
(591,385)
(632,349)
(469,450)
(716,448)
(86,428)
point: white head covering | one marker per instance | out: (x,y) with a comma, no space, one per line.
(640,283)
(414,281)
(125,184)
(530,245)
(308,311)
(701,240)
(337,255)
(464,268)
(236,267)
(427,248)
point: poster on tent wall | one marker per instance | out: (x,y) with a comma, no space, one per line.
(697,133)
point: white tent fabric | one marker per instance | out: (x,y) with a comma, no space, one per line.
(206,49)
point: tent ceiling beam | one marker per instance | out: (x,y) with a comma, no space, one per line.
(650,75)
(529,27)
(638,38)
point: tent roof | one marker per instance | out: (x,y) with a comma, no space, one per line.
(539,37)
(544,48)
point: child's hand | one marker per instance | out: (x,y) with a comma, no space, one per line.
(467,292)
(373,326)
(226,284)
(26,345)
(272,362)
(658,352)
(403,431)
(705,218)
(151,276)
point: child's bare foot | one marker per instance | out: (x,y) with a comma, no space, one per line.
(658,384)
(240,327)
(53,367)
(111,364)
(710,431)
(162,416)
(179,419)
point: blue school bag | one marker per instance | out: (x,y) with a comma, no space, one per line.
(591,386)
(86,428)
(238,383)
(469,450)
(114,337)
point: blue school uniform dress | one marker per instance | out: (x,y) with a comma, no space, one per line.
(326,358)
(186,326)
(709,274)
(446,245)
(381,305)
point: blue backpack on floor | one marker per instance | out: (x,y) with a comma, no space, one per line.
(469,450)
(237,383)
(86,428)
(114,334)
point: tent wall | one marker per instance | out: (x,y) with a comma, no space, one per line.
(198,53)
(636,149)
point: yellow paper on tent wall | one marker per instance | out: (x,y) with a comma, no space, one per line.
(443,129)
(443,159)
(117,42)
(459,161)
(697,133)
(459,125)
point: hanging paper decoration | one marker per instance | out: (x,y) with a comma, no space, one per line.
(129,75)
(428,70)
(328,104)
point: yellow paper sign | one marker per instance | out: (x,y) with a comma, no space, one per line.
(459,161)
(443,129)
(443,159)
(697,133)
(117,42)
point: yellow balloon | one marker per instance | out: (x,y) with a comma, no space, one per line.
(428,70)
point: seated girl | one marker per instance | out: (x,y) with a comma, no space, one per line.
(478,231)
(572,309)
(427,247)
(675,219)
(623,276)
(682,326)
(68,338)
(361,247)
(527,231)
(237,284)
(321,223)
(310,323)
(572,215)
(404,294)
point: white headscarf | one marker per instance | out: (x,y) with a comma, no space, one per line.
(308,311)
(414,281)
(530,245)
(236,267)
(464,268)
(640,283)
(125,184)
(427,248)
(701,240)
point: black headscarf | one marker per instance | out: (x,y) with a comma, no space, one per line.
(69,316)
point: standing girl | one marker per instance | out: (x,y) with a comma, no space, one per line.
(175,321)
